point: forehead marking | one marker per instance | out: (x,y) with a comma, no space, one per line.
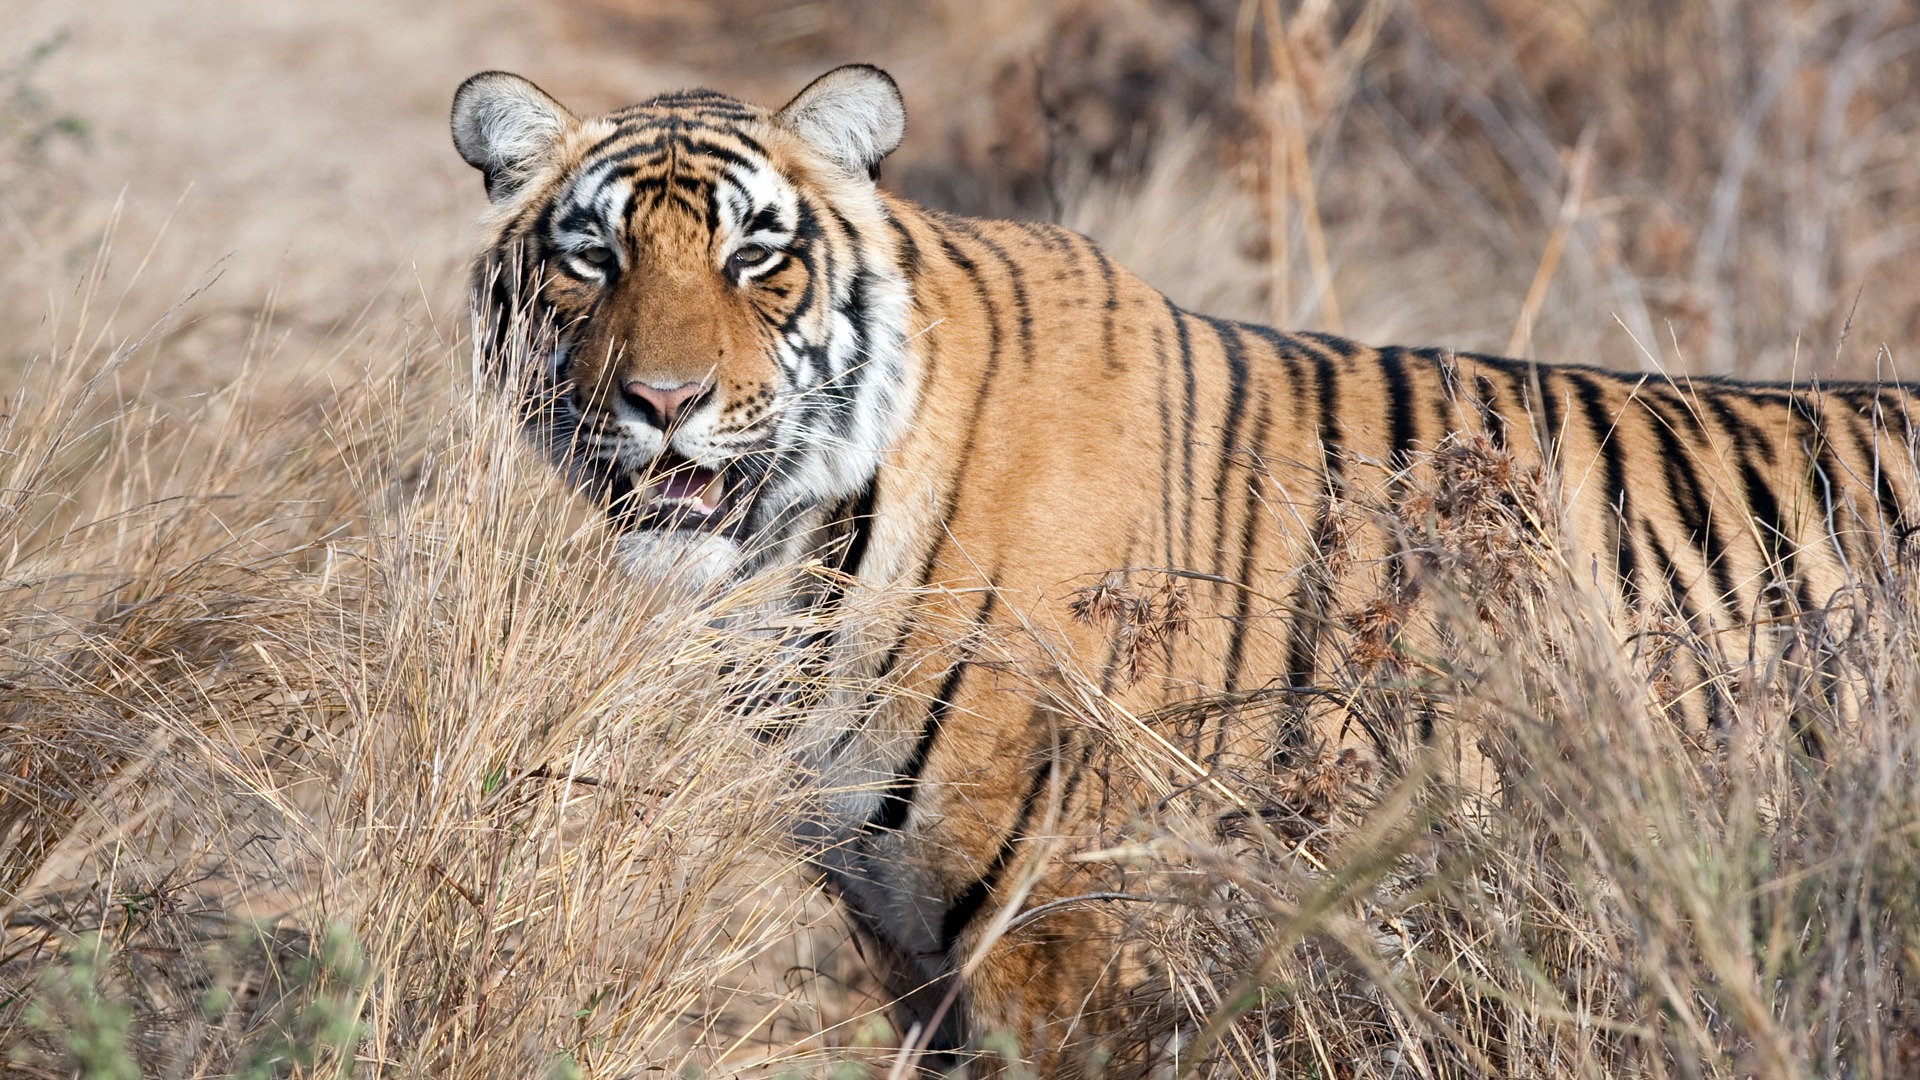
(651,135)
(687,151)
(757,201)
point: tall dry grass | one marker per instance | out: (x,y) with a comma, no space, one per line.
(331,740)
(1645,896)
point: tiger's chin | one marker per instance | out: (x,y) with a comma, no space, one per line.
(680,559)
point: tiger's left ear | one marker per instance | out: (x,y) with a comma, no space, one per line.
(852,114)
(506,127)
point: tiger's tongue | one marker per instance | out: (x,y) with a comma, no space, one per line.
(695,484)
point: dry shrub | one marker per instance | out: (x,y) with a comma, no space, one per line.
(1635,894)
(330,736)
(1746,198)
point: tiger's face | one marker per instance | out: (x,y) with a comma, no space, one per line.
(721,345)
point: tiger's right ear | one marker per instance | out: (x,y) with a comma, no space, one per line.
(852,114)
(505,126)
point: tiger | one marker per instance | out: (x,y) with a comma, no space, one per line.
(756,358)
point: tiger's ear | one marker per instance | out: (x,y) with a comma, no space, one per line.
(505,126)
(852,114)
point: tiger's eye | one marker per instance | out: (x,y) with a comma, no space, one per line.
(749,255)
(597,255)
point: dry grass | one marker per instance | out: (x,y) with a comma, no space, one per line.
(1645,898)
(355,671)
(327,737)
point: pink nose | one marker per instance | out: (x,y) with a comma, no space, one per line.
(662,405)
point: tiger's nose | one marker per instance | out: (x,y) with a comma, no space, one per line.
(662,405)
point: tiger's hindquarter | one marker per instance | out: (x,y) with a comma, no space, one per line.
(1074,424)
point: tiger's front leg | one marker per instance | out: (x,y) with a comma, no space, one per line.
(1057,990)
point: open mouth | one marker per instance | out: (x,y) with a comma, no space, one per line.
(672,492)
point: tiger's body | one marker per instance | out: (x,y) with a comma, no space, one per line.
(759,360)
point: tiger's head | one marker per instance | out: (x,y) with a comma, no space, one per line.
(708,298)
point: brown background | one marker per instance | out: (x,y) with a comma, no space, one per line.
(1753,168)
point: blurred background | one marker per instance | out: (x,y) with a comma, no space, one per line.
(1712,187)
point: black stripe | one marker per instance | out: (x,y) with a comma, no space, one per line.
(909,248)
(1166,444)
(575,218)
(698,96)
(1330,433)
(1740,430)
(803,307)
(951,501)
(1230,346)
(1718,708)
(1285,349)
(1685,487)
(1303,605)
(678,196)
(897,799)
(1827,476)
(1867,434)
(629,159)
(1274,339)
(1520,385)
(1603,424)
(1450,385)
(1549,405)
(1668,572)
(1486,402)
(1777,545)
(1304,636)
(968,903)
(1079,772)
(1344,348)
(840,392)
(618,147)
(694,188)
(1187,420)
(1016,280)
(1054,238)
(1243,604)
(860,529)
(1780,550)
(1110,356)
(807,229)
(765,219)
(1400,418)
(650,136)
(1433,363)
(1906,433)
(713,213)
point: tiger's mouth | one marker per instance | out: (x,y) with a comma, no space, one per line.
(672,492)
